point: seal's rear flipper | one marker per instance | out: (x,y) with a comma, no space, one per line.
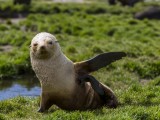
(104,92)
(97,62)
(95,85)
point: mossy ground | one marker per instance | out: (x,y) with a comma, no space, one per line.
(85,30)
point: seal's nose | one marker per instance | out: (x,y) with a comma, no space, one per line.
(42,47)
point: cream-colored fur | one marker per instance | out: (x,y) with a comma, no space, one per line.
(56,73)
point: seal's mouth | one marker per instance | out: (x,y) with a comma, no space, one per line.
(42,53)
(42,50)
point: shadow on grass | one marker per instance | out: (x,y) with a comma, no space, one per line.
(140,104)
(54,108)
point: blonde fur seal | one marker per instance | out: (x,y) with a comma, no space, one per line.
(59,78)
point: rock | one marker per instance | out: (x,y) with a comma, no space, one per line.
(149,13)
(124,2)
(27,2)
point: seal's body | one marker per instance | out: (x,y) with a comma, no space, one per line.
(59,78)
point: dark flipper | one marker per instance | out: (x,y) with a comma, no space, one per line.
(95,85)
(104,59)
(98,62)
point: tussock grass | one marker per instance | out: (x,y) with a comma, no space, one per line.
(83,31)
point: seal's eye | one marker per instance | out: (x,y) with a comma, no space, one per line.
(35,44)
(50,42)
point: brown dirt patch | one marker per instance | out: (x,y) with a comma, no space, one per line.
(6,48)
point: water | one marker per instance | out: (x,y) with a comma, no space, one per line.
(24,86)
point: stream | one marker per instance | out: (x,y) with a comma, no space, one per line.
(22,86)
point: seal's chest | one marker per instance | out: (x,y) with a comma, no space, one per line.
(59,84)
(56,76)
(56,79)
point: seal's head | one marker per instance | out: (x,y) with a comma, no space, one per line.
(44,46)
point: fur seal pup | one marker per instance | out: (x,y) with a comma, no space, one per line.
(66,84)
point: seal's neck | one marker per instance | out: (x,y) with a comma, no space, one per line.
(56,63)
(55,72)
(59,60)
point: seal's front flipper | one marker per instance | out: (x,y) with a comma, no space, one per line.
(45,103)
(95,85)
(97,62)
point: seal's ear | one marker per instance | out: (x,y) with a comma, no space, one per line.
(97,62)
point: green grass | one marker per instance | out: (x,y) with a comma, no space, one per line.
(85,30)
(138,102)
